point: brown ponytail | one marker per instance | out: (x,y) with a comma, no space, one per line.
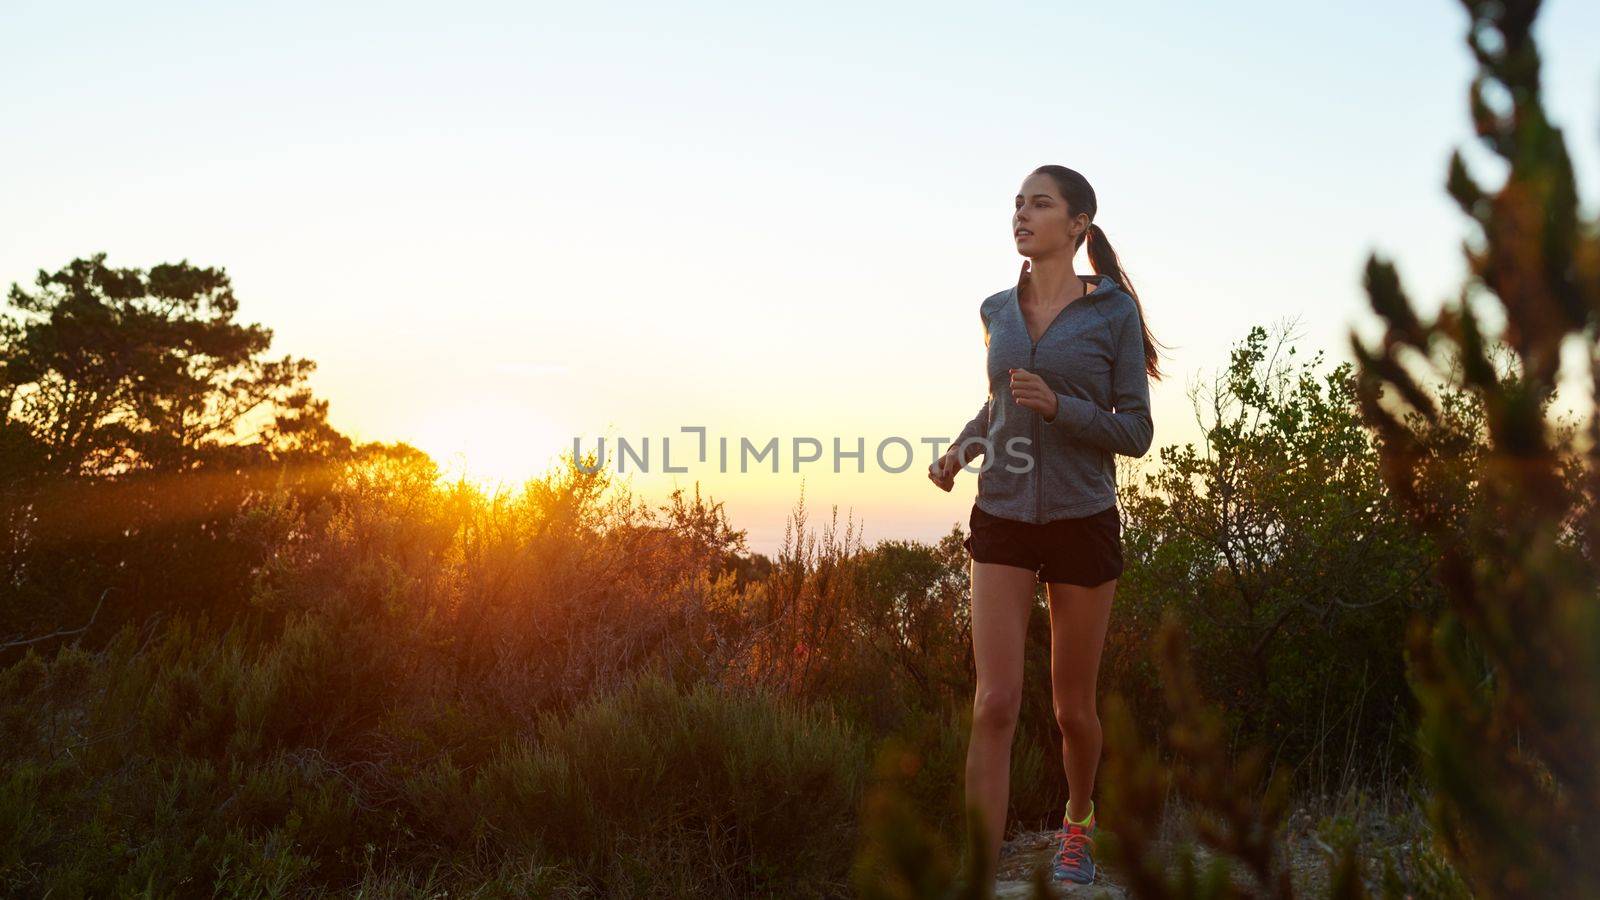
(1075,190)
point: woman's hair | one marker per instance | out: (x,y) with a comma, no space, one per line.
(1079,195)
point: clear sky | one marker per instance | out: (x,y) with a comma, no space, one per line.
(498,226)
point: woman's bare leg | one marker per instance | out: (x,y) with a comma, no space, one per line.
(1002,597)
(1078,619)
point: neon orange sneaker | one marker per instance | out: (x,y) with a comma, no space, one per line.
(1074,859)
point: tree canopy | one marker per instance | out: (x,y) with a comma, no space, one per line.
(109,370)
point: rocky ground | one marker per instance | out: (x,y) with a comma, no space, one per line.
(1022,854)
(1308,857)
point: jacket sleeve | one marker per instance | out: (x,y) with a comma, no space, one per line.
(979,425)
(1128,430)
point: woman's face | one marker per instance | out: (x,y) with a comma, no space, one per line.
(1040,224)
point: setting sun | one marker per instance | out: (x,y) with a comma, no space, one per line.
(491,443)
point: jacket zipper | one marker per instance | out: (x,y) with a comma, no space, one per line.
(1033,349)
(1038,464)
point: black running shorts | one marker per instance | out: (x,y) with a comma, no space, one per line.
(1084,551)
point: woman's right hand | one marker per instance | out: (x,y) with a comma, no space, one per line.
(943,470)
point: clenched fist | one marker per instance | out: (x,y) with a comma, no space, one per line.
(1029,390)
(943,470)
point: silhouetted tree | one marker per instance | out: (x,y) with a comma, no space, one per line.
(136,415)
(110,370)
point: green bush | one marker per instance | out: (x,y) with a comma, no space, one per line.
(204,762)
(754,793)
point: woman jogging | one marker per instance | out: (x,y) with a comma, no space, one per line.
(1069,363)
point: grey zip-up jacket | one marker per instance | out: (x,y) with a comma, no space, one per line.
(1092,356)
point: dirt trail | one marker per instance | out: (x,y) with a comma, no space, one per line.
(1307,858)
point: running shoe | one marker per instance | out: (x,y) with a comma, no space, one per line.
(1074,858)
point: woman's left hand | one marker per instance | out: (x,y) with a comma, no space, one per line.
(1030,390)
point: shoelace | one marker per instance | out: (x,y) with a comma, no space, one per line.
(1074,841)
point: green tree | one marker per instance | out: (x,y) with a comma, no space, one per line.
(136,415)
(1277,543)
(111,370)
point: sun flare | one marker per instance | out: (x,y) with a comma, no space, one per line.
(490,444)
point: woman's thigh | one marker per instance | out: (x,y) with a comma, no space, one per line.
(1002,597)
(1079,617)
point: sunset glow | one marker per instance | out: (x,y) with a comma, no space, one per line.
(489,444)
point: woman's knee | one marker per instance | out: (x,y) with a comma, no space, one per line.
(1077,719)
(996,708)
